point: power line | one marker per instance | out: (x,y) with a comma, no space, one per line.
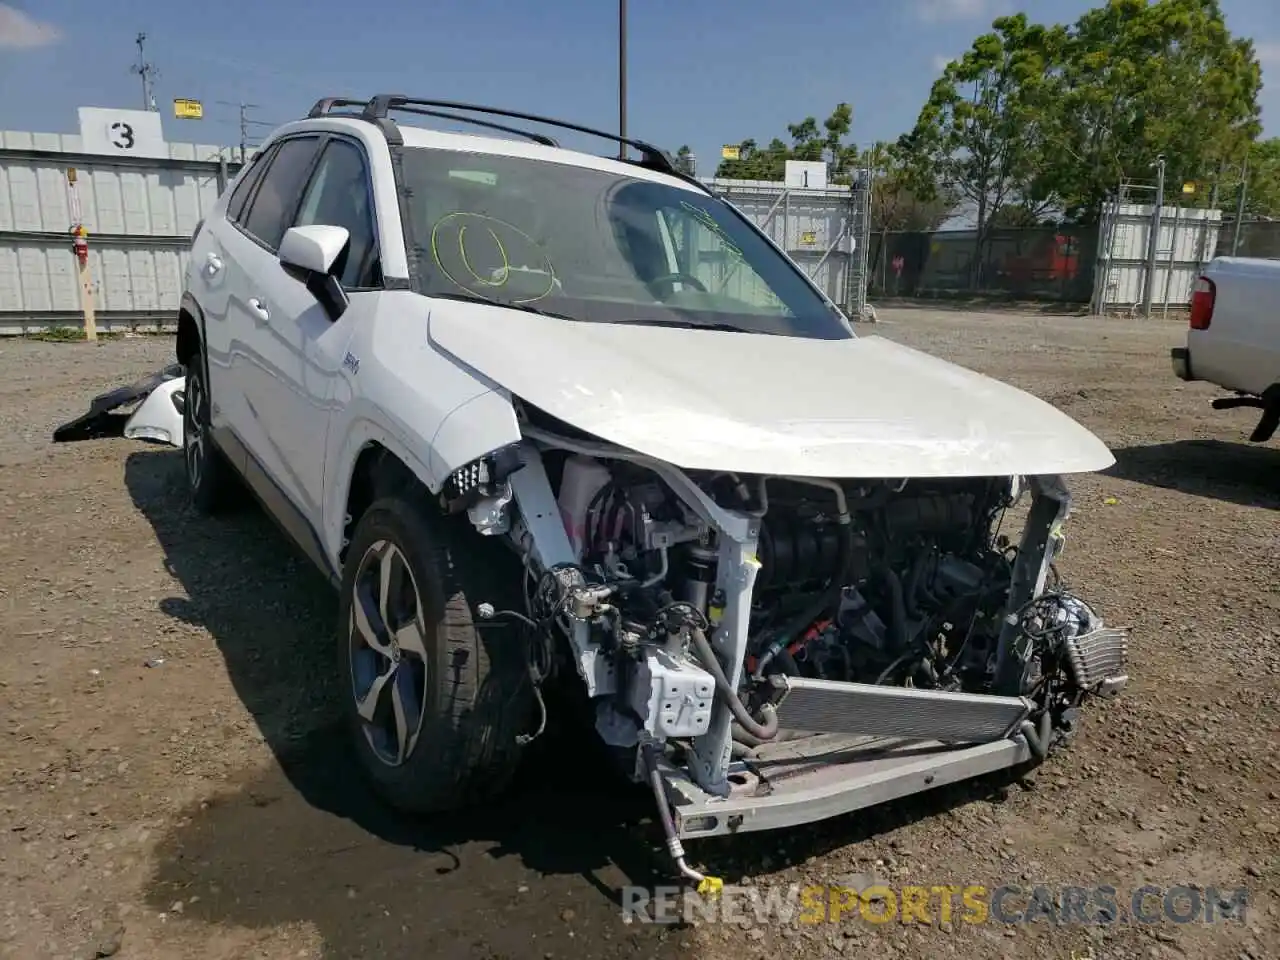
(147,72)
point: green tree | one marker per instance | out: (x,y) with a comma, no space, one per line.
(755,162)
(1013,216)
(1262,198)
(838,126)
(981,133)
(809,141)
(1139,79)
(806,142)
(897,205)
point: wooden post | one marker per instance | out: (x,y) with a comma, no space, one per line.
(86,296)
(80,244)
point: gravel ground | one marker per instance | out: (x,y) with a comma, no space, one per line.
(169,785)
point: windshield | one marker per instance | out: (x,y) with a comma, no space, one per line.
(599,247)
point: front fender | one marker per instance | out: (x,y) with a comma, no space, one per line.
(479,426)
(431,412)
(364,431)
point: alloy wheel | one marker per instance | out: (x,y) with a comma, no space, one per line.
(193,436)
(387,640)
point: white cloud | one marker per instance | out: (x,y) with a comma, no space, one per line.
(938,11)
(19,30)
(940,61)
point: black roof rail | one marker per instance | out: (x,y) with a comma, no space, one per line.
(328,106)
(381,105)
(378,109)
(541,138)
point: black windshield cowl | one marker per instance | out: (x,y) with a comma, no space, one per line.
(686,324)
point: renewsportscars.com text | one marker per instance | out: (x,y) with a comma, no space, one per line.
(942,903)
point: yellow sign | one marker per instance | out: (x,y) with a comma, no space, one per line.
(731,152)
(1189,187)
(808,238)
(188,109)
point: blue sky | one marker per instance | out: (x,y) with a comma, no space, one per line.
(702,72)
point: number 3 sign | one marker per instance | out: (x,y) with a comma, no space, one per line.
(121,135)
(128,133)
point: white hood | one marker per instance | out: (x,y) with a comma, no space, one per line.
(703,399)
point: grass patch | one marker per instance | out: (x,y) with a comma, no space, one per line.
(66,335)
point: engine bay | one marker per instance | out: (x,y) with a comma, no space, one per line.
(908,589)
(905,583)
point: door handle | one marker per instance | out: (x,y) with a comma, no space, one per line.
(213,263)
(259,310)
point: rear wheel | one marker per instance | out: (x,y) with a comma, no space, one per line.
(434,702)
(209,478)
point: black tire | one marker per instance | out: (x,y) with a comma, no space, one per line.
(210,482)
(469,686)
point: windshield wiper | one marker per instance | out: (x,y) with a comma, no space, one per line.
(686,324)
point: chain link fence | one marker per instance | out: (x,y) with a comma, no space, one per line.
(1053,264)
(1257,238)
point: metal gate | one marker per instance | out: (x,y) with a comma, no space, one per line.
(1133,274)
(826,231)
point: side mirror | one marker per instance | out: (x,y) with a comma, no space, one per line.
(314,249)
(309,253)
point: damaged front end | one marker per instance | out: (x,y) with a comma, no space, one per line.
(777,650)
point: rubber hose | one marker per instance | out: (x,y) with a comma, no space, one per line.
(766,730)
(1038,739)
(659,792)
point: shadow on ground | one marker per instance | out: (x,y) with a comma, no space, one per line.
(540,874)
(1241,473)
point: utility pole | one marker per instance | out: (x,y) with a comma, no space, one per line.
(622,77)
(1153,239)
(244,109)
(147,72)
(1244,187)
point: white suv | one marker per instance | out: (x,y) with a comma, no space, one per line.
(541,413)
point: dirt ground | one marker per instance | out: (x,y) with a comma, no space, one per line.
(170,785)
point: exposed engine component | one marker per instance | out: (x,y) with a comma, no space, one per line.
(714,616)
(891,583)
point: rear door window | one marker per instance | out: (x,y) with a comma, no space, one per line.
(272,209)
(244,188)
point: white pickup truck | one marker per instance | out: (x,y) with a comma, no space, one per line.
(1233,338)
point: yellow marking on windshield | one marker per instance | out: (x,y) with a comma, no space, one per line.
(466,261)
(506,271)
